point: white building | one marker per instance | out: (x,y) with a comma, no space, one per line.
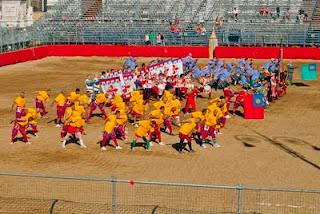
(15,13)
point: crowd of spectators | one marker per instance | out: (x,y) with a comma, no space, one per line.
(200,29)
(273,12)
(175,25)
(154,39)
(219,21)
(286,15)
(302,16)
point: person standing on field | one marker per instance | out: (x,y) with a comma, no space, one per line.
(290,69)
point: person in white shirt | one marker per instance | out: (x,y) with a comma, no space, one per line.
(147,39)
(158,38)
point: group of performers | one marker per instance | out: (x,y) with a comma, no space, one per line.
(153,108)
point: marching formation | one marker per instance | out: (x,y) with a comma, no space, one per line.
(153,105)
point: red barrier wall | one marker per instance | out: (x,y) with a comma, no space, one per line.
(100,50)
(301,53)
(155,51)
(247,52)
(267,52)
(41,52)
(120,50)
(17,56)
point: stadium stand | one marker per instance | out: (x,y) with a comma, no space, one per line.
(241,22)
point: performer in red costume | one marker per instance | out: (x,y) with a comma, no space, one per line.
(191,100)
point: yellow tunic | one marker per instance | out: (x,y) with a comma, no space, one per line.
(60,100)
(84,99)
(42,95)
(157,116)
(101,98)
(188,128)
(74,96)
(20,101)
(144,128)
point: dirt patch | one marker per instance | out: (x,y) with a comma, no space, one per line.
(262,164)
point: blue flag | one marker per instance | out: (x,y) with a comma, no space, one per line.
(258,100)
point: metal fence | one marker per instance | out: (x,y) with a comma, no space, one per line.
(19,39)
(25,193)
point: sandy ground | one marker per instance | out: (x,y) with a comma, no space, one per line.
(280,151)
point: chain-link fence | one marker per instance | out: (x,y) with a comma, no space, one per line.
(22,193)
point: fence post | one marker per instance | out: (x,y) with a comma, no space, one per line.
(239,198)
(114,194)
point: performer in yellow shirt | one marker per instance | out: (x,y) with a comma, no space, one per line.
(136,95)
(19,104)
(220,117)
(145,127)
(185,134)
(225,112)
(117,99)
(60,101)
(207,128)
(84,99)
(176,104)
(76,122)
(109,132)
(33,117)
(74,96)
(118,104)
(169,114)
(82,110)
(218,104)
(157,116)
(121,129)
(198,114)
(67,120)
(20,125)
(41,99)
(158,104)
(138,110)
(99,101)
(167,95)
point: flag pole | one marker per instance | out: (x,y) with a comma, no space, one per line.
(213,42)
